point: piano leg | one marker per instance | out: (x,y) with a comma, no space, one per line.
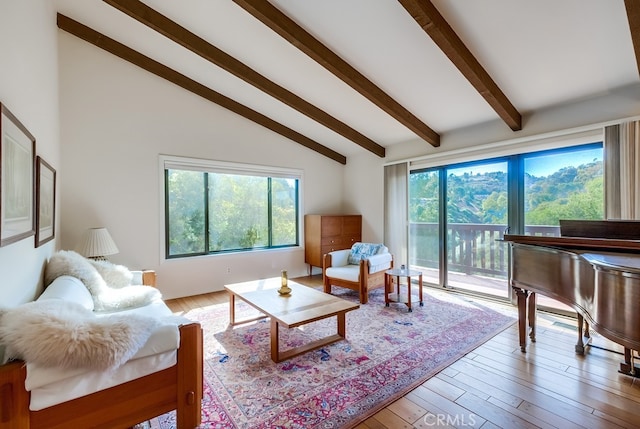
(586,330)
(628,366)
(533,308)
(522,296)
(584,337)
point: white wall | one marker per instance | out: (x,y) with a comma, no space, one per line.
(364,194)
(29,89)
(116,121)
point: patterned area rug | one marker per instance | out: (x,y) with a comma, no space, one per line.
(388,352)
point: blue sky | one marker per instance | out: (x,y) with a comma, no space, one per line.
(539,166)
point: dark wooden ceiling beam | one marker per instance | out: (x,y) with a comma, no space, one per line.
(300,38)
(434,24)
(172,30)
(124,52)
(633,15)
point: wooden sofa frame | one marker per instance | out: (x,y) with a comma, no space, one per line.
(367,281)
(176,388)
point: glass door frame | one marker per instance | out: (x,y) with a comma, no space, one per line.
(443,242)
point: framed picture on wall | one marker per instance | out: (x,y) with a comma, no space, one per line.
(45,202)
(17,160)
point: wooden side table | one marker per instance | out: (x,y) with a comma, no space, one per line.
(401,296)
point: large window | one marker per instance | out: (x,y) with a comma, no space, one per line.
(458,213)
(213,207)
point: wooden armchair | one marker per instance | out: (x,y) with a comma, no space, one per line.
(365,274)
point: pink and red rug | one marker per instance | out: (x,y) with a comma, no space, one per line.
(388,352)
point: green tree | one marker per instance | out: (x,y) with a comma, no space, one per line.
(186,212)
(424,203)
(588,204)
(238,219)
(283,208)
(495,208)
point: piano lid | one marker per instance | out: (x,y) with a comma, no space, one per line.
(601,235)
(627,263)
(611,229)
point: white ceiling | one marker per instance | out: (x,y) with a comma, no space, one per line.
(540,53)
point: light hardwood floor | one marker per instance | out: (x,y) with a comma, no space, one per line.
(496,385)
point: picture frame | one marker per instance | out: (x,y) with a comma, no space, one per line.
(17,184)
(45,202)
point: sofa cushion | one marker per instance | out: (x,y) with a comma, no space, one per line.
(105,297)
(66,335)
(70,289)
(360,251)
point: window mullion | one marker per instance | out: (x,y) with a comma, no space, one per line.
(443,226)
(269,212)
(206,213)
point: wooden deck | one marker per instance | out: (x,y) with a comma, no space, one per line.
(498,386)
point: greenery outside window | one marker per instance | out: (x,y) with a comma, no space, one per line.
(214,207)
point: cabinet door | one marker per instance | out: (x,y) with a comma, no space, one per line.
(351,230)
(331,226)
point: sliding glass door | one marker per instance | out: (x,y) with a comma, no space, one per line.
(477,206)
(458,213)
(424,221)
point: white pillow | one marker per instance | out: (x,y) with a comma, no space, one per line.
(69,289)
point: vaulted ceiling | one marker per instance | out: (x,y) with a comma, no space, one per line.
(345,76)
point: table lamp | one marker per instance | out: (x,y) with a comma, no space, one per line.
(97,243)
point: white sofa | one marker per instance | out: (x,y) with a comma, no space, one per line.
(360,268)
(163,373)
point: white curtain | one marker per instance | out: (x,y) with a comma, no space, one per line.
(622,171)
(395,212)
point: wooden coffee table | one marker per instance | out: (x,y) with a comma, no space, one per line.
(302,306)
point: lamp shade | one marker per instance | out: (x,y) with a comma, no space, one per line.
(97,243)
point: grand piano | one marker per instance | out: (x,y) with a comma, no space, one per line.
(594,267)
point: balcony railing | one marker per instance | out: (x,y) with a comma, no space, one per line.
(473,248)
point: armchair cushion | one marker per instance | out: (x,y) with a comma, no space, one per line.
(340,258)
(361,251)
(379,262)
(349,273)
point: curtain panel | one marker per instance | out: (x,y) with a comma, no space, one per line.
(395,212)
(622,171)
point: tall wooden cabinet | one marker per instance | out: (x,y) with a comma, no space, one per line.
(326,233)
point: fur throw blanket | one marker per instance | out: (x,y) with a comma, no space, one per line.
(109,284)
(64,334)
